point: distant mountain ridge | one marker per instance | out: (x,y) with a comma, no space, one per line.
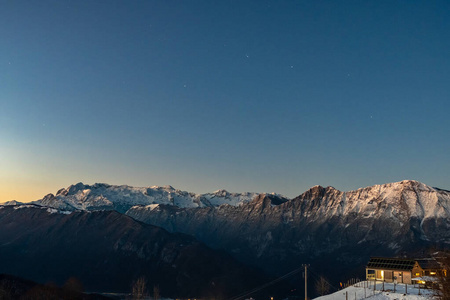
(411,207)
(102,196)
(422,207)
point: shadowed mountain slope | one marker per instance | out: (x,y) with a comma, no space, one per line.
(107,250)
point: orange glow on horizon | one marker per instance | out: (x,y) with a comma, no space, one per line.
(24,192)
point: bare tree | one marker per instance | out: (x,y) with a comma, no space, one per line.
(443,287)
(6,290)
(139,289)
(41,292)
(73,285)
(155,292)
(322,286)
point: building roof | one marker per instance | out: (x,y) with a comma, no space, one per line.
(428,263)
(391,263)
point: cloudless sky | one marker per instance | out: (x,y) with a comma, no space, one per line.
(261,96)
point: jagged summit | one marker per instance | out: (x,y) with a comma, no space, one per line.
(221,192)
(399,184)
(263,200)
(403,183)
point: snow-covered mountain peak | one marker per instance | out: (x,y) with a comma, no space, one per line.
(11,203)
(74,188)
(221,192)
(400,185)
(315,192)
(400,200)
(112,197)
(164,187)
(397,201)
(316,187)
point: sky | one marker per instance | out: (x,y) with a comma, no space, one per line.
(260,96)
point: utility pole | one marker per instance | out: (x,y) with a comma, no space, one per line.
(306,280)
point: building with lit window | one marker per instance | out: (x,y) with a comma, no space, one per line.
(427,267)
(400,270)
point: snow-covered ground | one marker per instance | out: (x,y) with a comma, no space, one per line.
(365,290)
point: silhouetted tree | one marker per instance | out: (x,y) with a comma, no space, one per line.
(73,285)
(139,288)
(6,290)
(443,288)
(40,292)
(155,292)
(322,286)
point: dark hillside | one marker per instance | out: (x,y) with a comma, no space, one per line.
(107,251)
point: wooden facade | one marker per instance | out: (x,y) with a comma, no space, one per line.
(426,267)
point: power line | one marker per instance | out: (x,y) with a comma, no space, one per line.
(326,281)
(244,294)
(287,275)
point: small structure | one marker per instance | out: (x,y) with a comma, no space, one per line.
(397,270)
(427,267)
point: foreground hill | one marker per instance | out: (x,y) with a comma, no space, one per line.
(107,251)
(16,288)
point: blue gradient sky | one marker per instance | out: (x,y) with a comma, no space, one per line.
(264,96)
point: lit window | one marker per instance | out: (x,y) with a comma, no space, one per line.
(432,273)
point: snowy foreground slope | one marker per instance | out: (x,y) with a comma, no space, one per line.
(358,292)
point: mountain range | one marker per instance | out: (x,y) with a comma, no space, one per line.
(102,196)
(334,231)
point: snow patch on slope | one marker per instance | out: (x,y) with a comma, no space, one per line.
(389,200)
(55,211)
